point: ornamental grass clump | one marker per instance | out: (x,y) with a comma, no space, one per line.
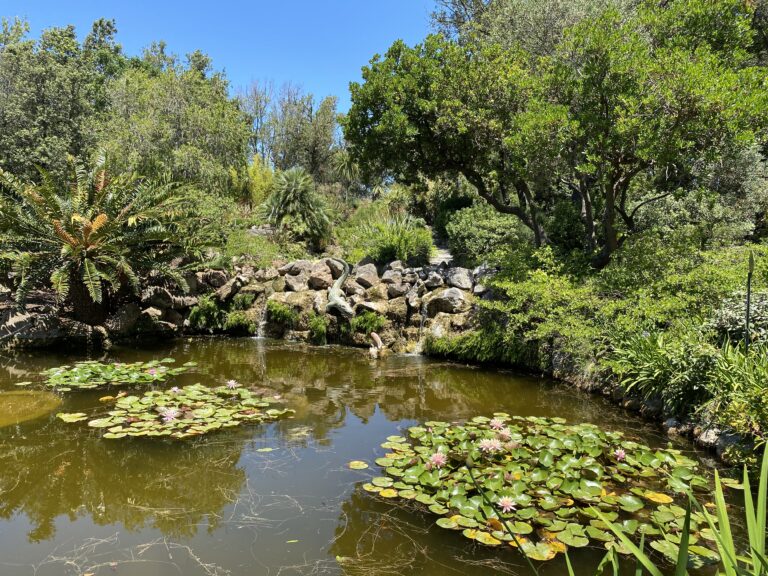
(543,485)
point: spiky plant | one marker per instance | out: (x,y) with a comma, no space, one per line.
(294,204)
(89,236)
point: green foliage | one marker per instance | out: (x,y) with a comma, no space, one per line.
(91,234)
(729,323)
(240,323)
(481,235)
(367,322)
(281,314)
(296,206)
(318,329)
(260,180)
(185,412)
(260,251)
(242,301)
(207,316)
(91,375)
(484,346)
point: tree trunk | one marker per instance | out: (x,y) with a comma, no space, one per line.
(84,309)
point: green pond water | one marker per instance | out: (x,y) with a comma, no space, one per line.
(276,498)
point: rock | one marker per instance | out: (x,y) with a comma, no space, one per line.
(173,317)
(296,283)
(215,278)
(320,302)
(278,284)
(397,290)
(377,307)
(450,300)
(366,275)
(45,330)
(709,437)
(184,302)
(296,268)
(725,442)
(336,267)
(5,294)
(392,277)
(157,297)
(377,292)
(152,313)
(479,289)
(320,277)
(230,289)
(123,322)
(410,277)
(446,325)
(459,278)
(253,288)
(433,280)
(266,275)
(352,288)
(413,299)
(397,311)
(396,265)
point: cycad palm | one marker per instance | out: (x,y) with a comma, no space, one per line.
(295,204)
(88,236)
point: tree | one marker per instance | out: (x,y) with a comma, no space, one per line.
(611,122)
(166,118)
(89,235)
(295,205)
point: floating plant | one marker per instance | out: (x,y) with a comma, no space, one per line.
(90,375)
(182,412)
(544,485)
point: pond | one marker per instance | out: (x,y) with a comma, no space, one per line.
(275,498)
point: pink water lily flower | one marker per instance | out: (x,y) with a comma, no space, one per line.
(232,384)
(175,390)
(489,445)
(506,504)
(170,414)
(152,371)
(619,454)
(437,460)
(497,424)
(504,434)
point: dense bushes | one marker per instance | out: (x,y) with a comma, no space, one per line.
(384,233)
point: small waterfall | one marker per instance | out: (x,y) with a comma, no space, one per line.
(260,331)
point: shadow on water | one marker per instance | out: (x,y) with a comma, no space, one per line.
(274,499)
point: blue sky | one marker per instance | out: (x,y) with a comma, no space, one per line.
(320,44)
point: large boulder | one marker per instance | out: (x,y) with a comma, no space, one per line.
(397,311)
(433,280)
(352,288)
(296,268)
(157,297)
(123,322)
(367,275)
(184,302)
(266,274)
(397,290)
(459,278)
(449,300)
(336,267)
(377,292)
(225,293)
(377,307)
(296,283)
(392,277)
(214,278)
(320,277)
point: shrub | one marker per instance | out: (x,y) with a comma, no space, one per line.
(281,314)
(207,316)
(318,329)
(729,319)
(238,322)
(294,204)
(260,251)
(480,234)
(367,322)
(243,301)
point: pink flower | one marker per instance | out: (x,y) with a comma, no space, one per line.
(152,371)
(497,424)
(232,384)
(506,504)
(175,390)
(504,434)
(619,454)
(437,460)
(489,445)
(170,414)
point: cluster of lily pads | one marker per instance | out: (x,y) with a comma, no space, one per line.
(182,412)
(90,375)
(544,485)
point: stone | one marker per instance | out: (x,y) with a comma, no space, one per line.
(319,302)
(413,299)
(336,267)
(352,288)
(397,290)
(266,274)
(215,278)
(153,313)
(397,311)
(230,289)
(396,265)
(479,289)
(5,294)
(449,300)
(297,283)
(410,277)
(433,280)
(392,277)
(377,292)
(157,297)
(320,277)
(296,268)
(366,275)
(377,307)
(460,278)
(709,437)
(123,322)
(278,284)
(253,288)
(184,302)
(173,317)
